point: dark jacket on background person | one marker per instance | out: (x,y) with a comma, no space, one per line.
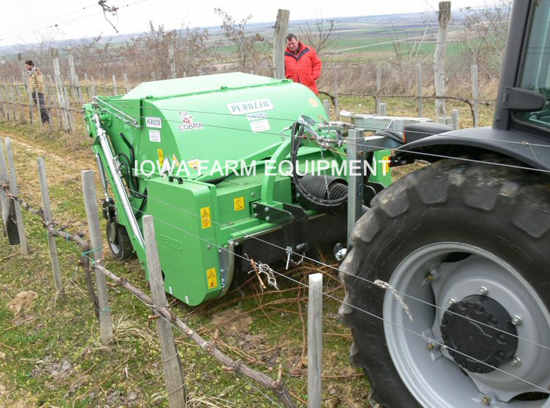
(303,67)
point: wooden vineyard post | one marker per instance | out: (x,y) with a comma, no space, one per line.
(335,86)
(172,57)
(171,364)
(378,87)
(4,200)
(419,89)
(326,105)
(48,220)
(314,340)
(90,202)
(14,191)
(475,95)
(439,58)
(279,43)
(455,119)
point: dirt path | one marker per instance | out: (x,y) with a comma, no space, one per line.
(63,169)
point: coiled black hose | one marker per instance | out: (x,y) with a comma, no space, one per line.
(314,195)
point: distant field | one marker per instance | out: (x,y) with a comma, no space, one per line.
(370,38)
(371,42)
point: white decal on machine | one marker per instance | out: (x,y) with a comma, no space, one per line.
(242,108)
(260,125)
(256,116)
(153,122)
(154,135)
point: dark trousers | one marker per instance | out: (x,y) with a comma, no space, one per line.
(43,110)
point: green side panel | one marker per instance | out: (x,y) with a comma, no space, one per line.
(382,173)
(235,199)
(186,239)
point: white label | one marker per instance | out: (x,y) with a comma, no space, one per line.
(154,135)
(241,108)
(256,116)
(260,125)
(154,122)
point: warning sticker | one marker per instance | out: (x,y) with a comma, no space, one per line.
(206,219)
(238,203)
(386,161)
(212,278)
(175,160)
(161,157)
(194,164)
(260,125)
(154,135)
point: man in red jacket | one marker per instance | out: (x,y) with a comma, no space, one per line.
(302,64)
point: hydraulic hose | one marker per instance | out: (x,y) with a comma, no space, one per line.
(312,192)
(392,135)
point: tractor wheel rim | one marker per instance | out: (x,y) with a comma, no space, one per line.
(428,370)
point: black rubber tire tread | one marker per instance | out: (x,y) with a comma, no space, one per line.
(503,210)
(125,244)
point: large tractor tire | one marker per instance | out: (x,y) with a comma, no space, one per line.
(473,240)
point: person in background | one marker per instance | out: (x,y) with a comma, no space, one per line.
(36,85)
(302,64)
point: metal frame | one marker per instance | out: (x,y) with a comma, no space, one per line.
(117,182)
(359,147)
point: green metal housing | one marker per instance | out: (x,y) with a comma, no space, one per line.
(194,142)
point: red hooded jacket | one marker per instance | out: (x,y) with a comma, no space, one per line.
(303,67)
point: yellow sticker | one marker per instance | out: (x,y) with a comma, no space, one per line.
(212,278)
(161,157)
(175,160)
(194,164)
(386,165)
(206,220)
(238,203)
(313,102)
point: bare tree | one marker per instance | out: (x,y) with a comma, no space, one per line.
(484,34)
(150,51)
(193,53)
(95,57)
(247,54)
(321,35)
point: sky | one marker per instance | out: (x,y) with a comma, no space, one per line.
(31,21)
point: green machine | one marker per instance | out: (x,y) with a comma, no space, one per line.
(231,167)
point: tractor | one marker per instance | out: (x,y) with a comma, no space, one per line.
(464,243)
(235,167)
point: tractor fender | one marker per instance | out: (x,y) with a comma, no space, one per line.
(527,148)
